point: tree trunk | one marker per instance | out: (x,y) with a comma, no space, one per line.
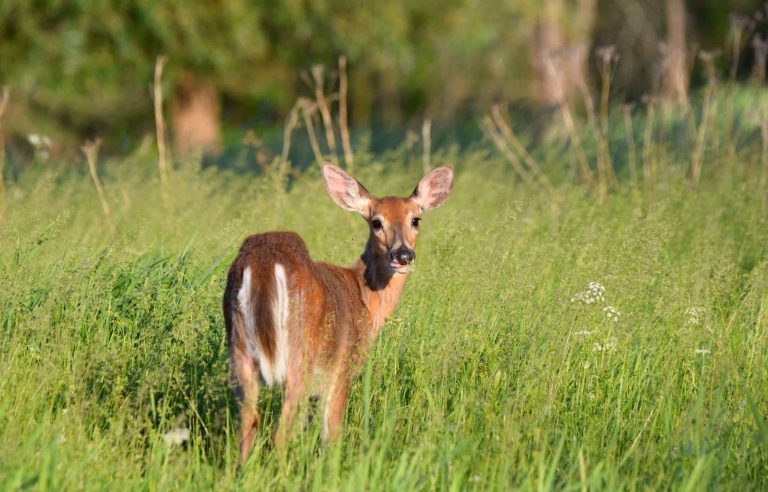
(548,40)
(675,81)
(195,115)
(560,64)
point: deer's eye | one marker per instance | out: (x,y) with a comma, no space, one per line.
(376,224)
(415,222)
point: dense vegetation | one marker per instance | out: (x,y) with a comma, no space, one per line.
(81,69)
(546,340)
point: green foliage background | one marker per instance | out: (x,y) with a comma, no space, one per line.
(82,68)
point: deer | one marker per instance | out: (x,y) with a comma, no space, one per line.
(307,326)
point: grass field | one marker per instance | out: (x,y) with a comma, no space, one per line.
(497,371)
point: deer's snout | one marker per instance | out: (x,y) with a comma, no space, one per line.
(403,255)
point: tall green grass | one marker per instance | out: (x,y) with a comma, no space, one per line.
(492,374)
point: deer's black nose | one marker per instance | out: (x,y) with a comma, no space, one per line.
(404,256)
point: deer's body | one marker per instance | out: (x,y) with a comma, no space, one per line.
(308,325)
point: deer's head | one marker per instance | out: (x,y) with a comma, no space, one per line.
(393,221)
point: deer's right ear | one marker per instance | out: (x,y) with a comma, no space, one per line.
(345,190)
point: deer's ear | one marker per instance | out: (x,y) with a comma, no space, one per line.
(345,190)
(434,188)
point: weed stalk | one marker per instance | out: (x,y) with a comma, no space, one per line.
(4,98)
(91,151)
(308,109)
(629,128)
(426,141)
(506,131)
(343,126)
(325,111)
(162,147)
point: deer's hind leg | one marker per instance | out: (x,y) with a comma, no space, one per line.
(245,372)
(294,397)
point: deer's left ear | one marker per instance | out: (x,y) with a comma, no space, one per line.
(434,188)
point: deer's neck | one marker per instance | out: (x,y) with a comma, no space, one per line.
(379,286)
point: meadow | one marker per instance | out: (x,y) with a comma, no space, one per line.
(562,339)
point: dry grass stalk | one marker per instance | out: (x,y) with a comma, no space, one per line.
(162,146)
(740,27)
(426,140)
(290,125)
(764,155)
(308,109)
(760,46)
(565,112)
(6,94)
(493,133)
(649,160)
(608,57)
(698,152)
(629,128)
(325,111)
(586,173)
(343,128)
(91,151)
(506,131)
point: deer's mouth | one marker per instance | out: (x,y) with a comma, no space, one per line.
(399,268)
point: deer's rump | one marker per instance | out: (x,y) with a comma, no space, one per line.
(279,307)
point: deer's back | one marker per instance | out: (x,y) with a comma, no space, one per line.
(288,313)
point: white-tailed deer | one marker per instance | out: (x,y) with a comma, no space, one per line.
(309,325)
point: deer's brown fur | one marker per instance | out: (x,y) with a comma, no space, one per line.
(308,325)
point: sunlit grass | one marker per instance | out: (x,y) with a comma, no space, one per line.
(494,373)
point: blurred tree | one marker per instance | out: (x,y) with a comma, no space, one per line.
(85,66)
(560,45)
(675,53)
(88,64)
(641,30)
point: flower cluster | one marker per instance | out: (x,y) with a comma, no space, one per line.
(41,144)
(176,437)
(612,313)
(594,293)
(608,345)
(695,315)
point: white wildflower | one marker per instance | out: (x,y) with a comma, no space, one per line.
(695,314)
(702,351)
(612,313)
(595,292)
(583,333)
(474,478)
(42,145)
(176,437)
(608,345)
(34,352)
